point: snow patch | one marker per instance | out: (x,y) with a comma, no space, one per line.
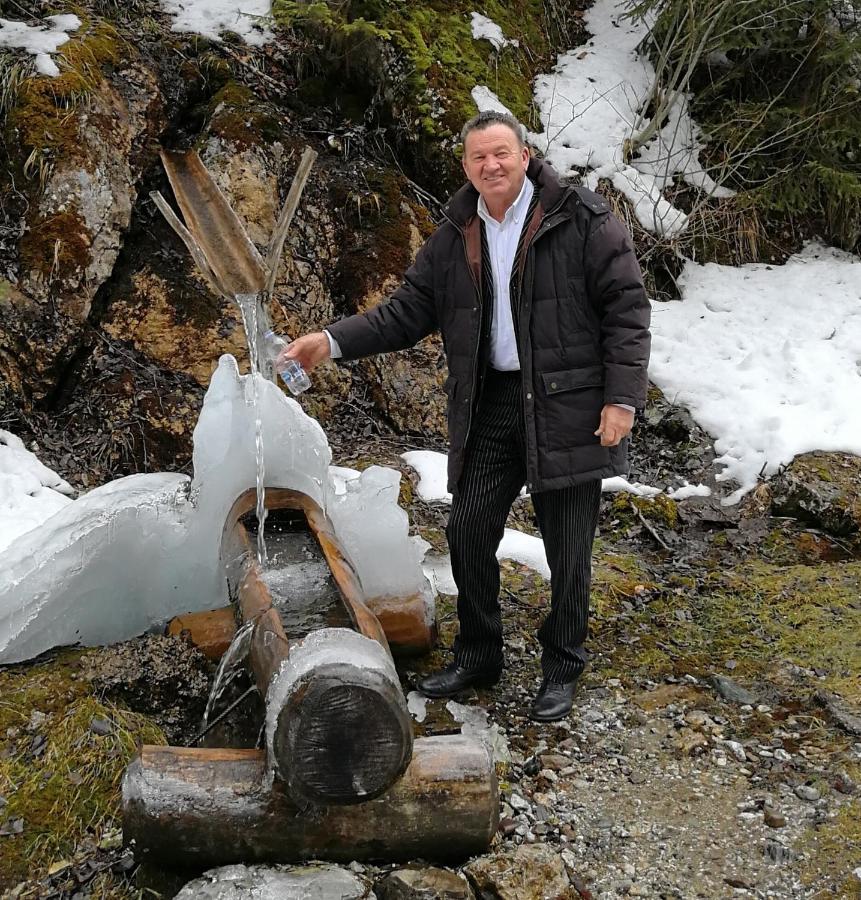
(39,40)
(589,107)
(767,358)
(487,29)
(689,490)
(247,18)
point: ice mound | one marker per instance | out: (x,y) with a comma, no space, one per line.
(240,882)
(30,492)
(131,554)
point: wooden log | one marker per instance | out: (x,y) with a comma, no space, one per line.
(408,622)
(337,726)
(210,631)
(205,807)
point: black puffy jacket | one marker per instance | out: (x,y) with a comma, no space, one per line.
(582,325)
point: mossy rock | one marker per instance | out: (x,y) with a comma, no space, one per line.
(419,61)
(823,490)
(660,509)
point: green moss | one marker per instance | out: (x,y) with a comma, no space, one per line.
(380,243)
(427,82)
(68,788)
(236,116)
(759,615)
(56,246)
(660,509)
(832,851)
(42,115)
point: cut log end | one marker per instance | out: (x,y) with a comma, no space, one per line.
(343,736)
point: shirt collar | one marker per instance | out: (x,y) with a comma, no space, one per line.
(516,212)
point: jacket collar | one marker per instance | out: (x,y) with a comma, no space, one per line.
(463,205)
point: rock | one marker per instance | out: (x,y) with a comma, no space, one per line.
(78,213)
(841,783)
(848,718)
(276,883)
(776,852)
(12,826)
(822,489)
(423,884)
(555,762)
(731,691)
(736,749)
(772,818)
(101,727)
(531,872)
(806,792)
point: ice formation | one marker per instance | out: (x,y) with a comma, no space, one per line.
(238,882)
(129,555)
(475,724)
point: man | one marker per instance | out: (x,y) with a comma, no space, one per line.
(540,301)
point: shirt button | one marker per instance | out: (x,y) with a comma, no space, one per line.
(553,385)
(529,396)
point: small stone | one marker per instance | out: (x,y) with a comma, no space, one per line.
(101,727)
(555,761)
(731,691)
(736,749)
(423,884)
(841,783)
(517,802)
(637,778)
(507,826)
(782,755)
(776,852)
(806,792)
(37,720)
(12,826)
(531,766)
(773,818)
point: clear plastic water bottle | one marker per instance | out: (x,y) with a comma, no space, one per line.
(291,372)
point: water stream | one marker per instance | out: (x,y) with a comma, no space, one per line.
(229,667)
(248,308)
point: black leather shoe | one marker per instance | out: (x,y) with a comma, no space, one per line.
(454,678)
(553,701)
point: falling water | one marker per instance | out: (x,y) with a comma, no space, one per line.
(228,668)
(248,308)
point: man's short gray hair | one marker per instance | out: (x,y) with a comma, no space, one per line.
(489,117)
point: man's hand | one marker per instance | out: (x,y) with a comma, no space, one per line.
(616,424)
(309,351)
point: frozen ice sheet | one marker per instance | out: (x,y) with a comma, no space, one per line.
(130,554)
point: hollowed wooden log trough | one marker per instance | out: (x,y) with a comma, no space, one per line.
(338,730)
(341,777)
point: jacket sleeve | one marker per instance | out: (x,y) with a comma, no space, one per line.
(399,322)
(615,285)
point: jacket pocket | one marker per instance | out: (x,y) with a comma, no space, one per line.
(572,401)
(573,379)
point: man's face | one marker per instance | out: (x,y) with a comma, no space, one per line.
(495,164)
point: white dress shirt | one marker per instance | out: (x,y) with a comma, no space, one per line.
(502,239)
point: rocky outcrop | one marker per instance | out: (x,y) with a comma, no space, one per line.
(823,490)
(85,155)
(530,872)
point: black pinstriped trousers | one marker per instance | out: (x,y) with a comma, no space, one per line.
(494,472)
